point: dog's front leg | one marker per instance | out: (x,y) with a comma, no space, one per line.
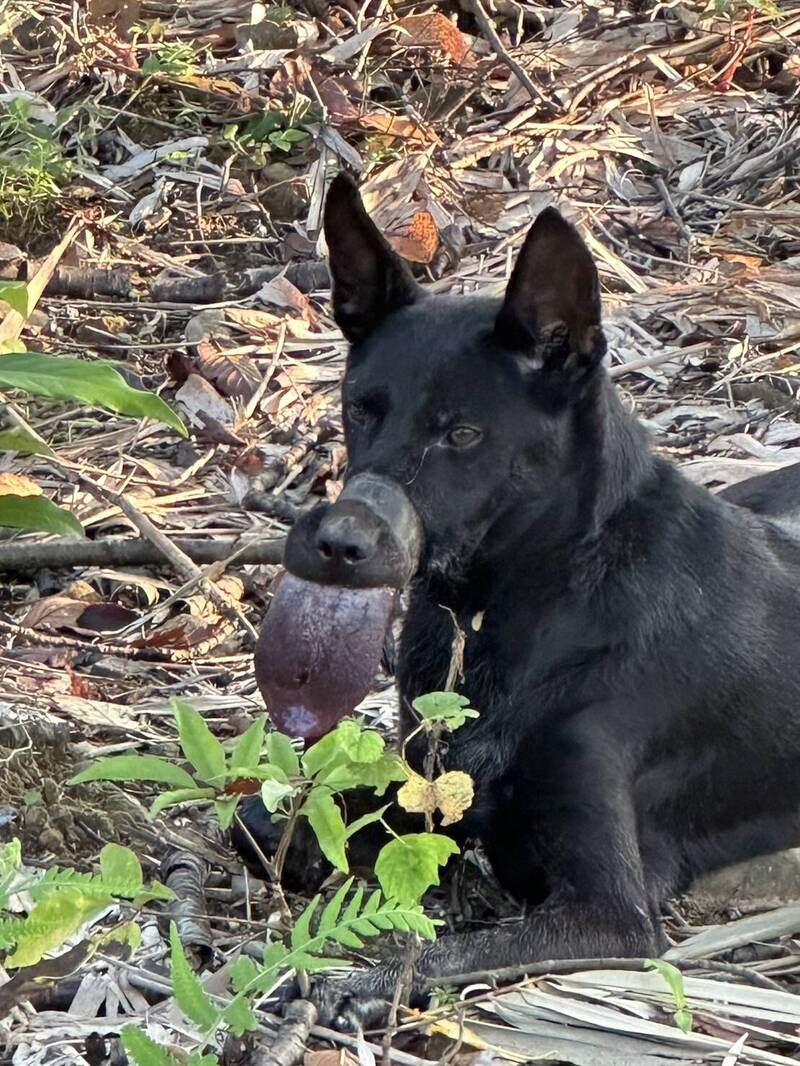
(570,815)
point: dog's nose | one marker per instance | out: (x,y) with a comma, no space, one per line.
(347,538)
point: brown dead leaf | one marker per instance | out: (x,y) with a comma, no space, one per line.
(79,611)
(18,485)
(399,126)
(451,793)
(233,375)
(54,612)
(329,1057)
(282,293)
(199,397)
(181,633)
(437,31)
(420,241)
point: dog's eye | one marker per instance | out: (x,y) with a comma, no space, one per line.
(462,436)
(358,412)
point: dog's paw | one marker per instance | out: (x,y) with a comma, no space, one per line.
(361,999)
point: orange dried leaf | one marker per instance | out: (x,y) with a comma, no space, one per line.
(437,31)
(18,485)
(397,126)
(420,242)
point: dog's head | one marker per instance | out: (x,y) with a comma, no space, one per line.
(460,413)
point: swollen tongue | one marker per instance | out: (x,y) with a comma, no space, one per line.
(319,649)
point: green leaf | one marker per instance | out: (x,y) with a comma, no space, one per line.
(242,972)
(199,744)
(225,807)
(273,793)
(143,1050)
(19,440)
(377,775)
(365,820)
(135,768)
(54,920)
(119,865)
(408,866)
(282,754)
(10,858)
(189,993)
(38,513)
(246,754)
(197,1059)
(179,795)
(15,294)
(684,1020)
(448,708)
(97,382)
(239,1016)
(326,820)
(346,928)
(348,742)
(673,977)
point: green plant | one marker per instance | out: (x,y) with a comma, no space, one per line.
(64,900)
(178,60)
(32,165)
(306,786)
(270,130)
(96,382)
(734,8)
(674,979)
(298,785)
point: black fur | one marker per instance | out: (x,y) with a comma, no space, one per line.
(636,666)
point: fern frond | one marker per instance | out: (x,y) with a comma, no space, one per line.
(56,879)
(189,993)
(10,932)
(348,928)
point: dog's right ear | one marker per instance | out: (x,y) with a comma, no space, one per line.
(368,279)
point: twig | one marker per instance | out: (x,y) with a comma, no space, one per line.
(500,50)
(401,990)
(556,967)
(30,556)
(56,640)
(289,1043)
(185,566)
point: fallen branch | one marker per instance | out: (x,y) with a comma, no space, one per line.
(554,967)
(289,1043)
(28,557)
(493,37)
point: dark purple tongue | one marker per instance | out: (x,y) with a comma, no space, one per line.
(319,650)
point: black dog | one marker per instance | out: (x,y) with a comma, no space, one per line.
(631,639)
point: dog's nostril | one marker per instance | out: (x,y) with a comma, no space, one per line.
(325,549)
(354,554)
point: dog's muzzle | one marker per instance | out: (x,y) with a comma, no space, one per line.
(321,642)
(370,538)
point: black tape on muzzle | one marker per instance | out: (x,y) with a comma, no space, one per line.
(321,641)
(370,538)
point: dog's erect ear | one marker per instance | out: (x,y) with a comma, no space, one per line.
(368,278)
(551,310)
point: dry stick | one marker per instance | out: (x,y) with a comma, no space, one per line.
(181,562)
(56,640)
(557,967)
(30,556)
(500,50)
(288,1045)
(13,322)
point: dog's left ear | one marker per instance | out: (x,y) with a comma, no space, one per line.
(551,311)
(369,280)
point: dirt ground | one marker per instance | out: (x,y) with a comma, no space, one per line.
(162,171)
